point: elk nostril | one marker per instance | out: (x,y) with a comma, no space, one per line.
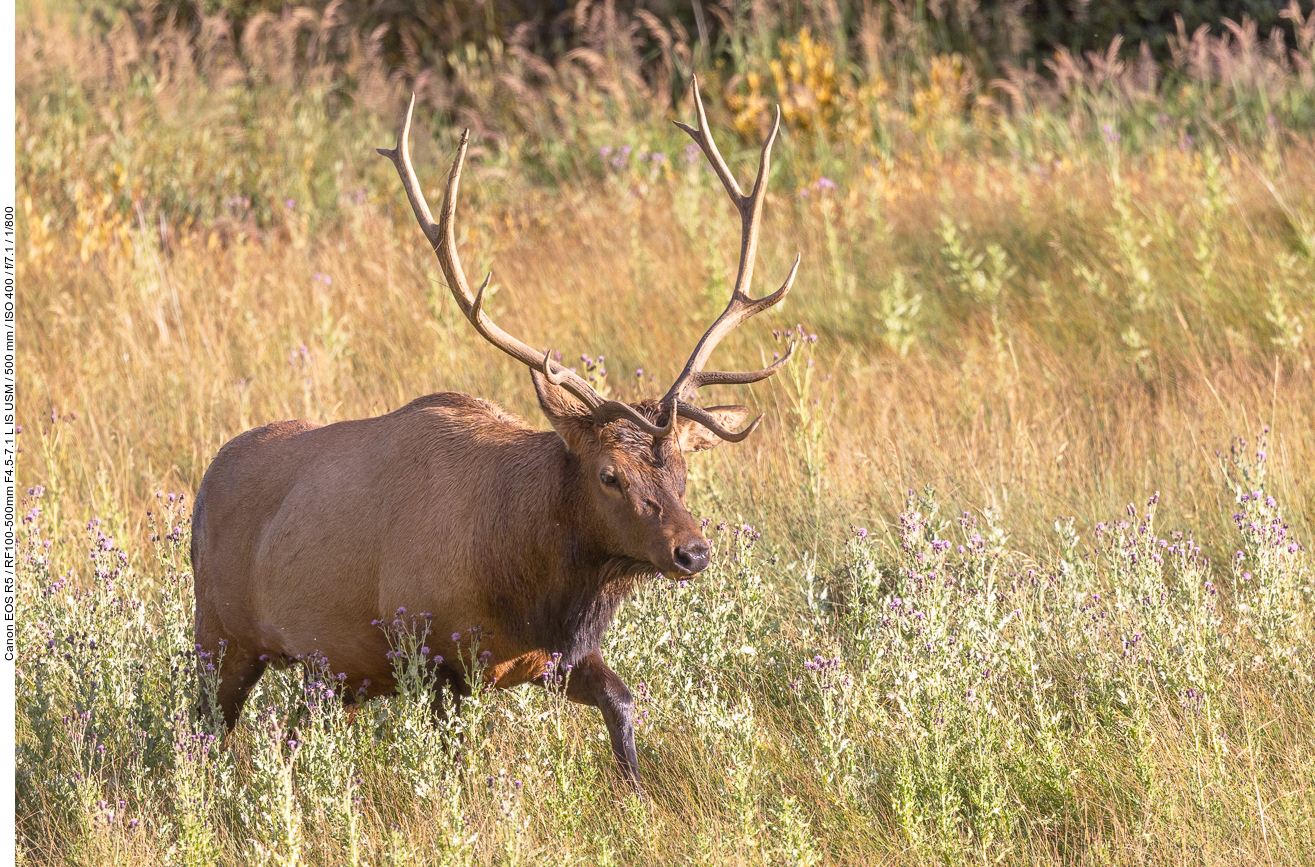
(692,557)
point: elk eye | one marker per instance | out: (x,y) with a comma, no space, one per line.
(608,478)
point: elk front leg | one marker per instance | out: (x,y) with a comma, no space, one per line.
(591,682)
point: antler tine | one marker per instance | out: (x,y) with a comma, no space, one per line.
(442,237)
(741,305)
(703,137)
(721,377)
(401,158)
(615,409)
(704,418)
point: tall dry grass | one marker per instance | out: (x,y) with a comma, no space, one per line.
(1044,302)
(1102,363)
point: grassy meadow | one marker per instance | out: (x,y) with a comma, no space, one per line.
(1017,568)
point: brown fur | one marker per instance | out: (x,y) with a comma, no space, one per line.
(305,534)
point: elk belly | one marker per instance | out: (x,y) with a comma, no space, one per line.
(514,672)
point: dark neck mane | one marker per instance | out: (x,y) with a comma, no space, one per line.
(564,589)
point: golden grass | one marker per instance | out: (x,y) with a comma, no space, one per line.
(1037,336)
(163,357)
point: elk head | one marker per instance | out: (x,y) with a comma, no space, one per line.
(630,457)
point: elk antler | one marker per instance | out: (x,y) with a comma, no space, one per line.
(741,306)
(442,237)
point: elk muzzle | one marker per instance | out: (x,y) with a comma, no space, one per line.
(692,556)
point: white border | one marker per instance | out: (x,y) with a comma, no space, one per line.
(8,439)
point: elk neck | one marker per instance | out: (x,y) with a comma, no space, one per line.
(563,583)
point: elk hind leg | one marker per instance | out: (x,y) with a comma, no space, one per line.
(238,675)
(239,667)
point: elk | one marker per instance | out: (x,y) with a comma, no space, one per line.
(307,535)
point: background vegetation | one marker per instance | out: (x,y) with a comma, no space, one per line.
(1014,570)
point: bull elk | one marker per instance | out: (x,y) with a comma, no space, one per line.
(305,535)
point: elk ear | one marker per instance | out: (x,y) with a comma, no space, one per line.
(571,419)
(694,437)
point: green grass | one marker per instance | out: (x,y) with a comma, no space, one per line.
(935,630)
